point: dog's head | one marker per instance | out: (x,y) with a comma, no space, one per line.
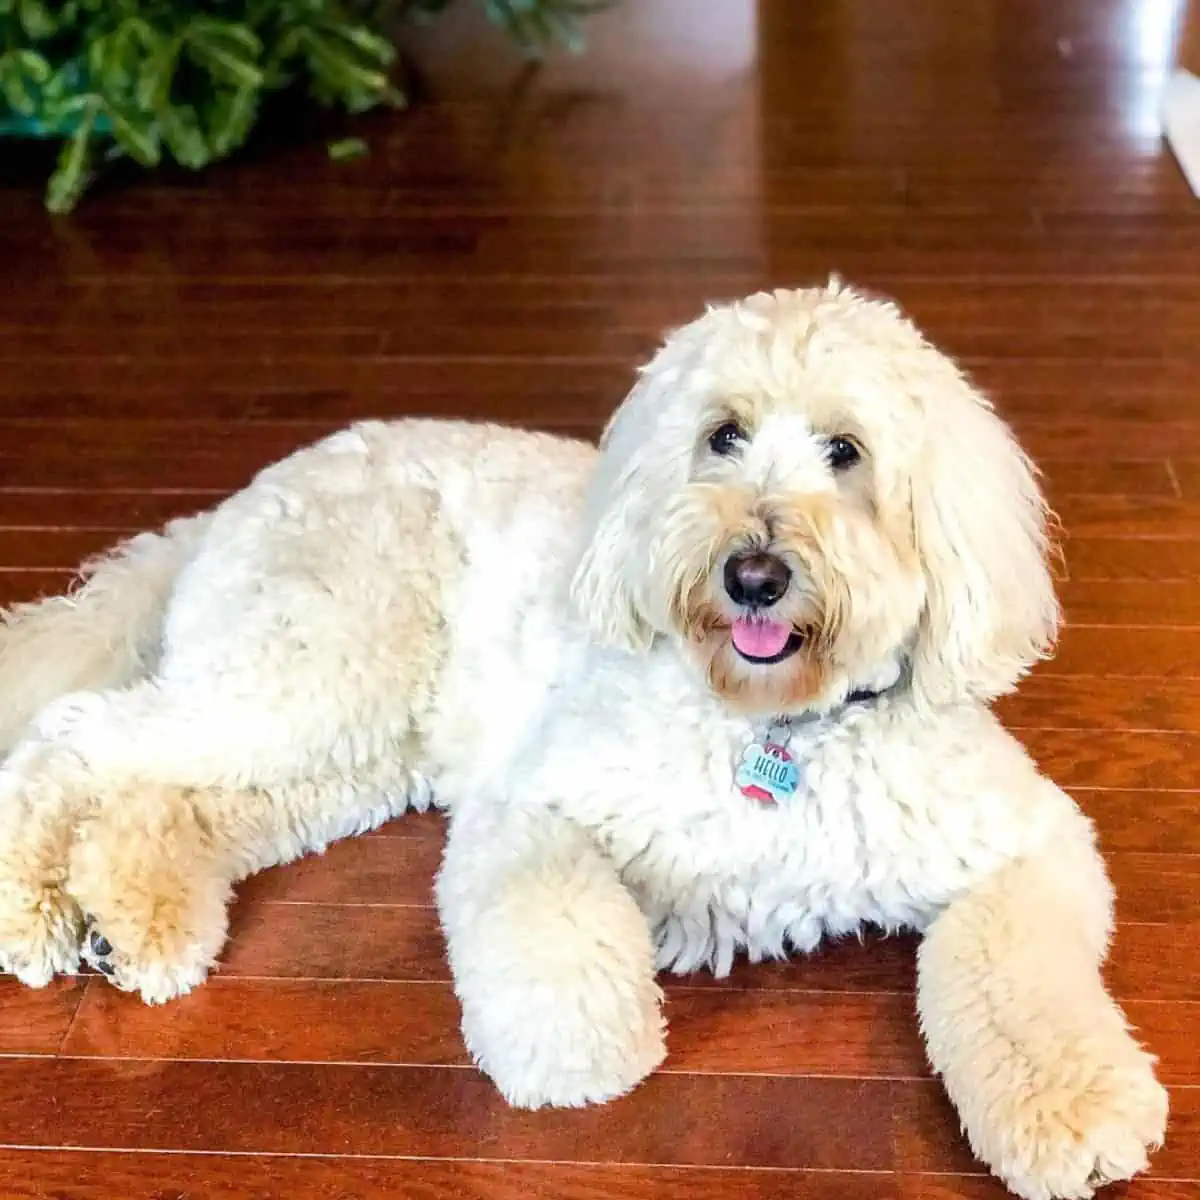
(808,496)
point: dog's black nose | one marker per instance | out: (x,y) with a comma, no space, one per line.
(757,580)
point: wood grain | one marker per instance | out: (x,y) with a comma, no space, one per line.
(36,1021)
(403,943)
(698,1120)
(712,1031)
(99,1175)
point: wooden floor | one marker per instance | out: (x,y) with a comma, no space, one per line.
(511,250)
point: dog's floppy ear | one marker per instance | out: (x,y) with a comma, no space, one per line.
(981,528)
(608,586)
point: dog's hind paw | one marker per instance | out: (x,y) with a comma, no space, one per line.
(156,978)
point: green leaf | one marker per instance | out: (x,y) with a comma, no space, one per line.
(228,52)
(230,118)
(135,38)
(185,79)
(371,45)
(62,104)
(185,138)
(34,66)
(153,88)
(348,148)
(23,75)
(15,89)
(330,61)
(36,19)
(73,172)
(235,36)
(225,67)
(137,133)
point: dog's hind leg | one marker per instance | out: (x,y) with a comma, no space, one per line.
(134,812)
(154,866)
(288,706)
(40,924)
(104,634)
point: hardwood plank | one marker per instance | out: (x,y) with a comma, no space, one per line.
(747,1031)
(1078,758)
(1132,602)
(80,454)
(780,1032)
(329,941)
(1133,558)
(19,586)
(53,549)
(438,307)
(1104,436)
(324,941)
(106,513)
(395,1110)
(1052,701)
(277,1020)
(391,870)
(1128,654)
(1158,887)
(727,251)
(35,1021)
(1148,821)
(1150,961)
(431,824)
(1185,469)
(717,1121)
(99,1175)
(1156,962)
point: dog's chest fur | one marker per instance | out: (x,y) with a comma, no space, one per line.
(893,817)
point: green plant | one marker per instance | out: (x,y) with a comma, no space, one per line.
(185,79)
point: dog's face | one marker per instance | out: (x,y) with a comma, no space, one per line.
(810,498)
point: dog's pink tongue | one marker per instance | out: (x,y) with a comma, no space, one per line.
(760,639)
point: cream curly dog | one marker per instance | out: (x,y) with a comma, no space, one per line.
(721,688)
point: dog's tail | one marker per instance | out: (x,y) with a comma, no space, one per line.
(104,633)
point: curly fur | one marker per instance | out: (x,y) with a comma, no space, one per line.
(537,636)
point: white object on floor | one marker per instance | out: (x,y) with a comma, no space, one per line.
(1181,123)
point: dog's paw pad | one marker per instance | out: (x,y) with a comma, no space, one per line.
(96,951)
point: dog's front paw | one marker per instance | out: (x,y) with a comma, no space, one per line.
(1086,1127)
(568,1044)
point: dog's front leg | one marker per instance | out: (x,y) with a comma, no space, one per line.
(1054,1093)
(552,959)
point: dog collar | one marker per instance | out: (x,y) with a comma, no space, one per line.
(767,771)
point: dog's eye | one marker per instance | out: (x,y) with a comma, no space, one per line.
(842,453)
(726,438)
